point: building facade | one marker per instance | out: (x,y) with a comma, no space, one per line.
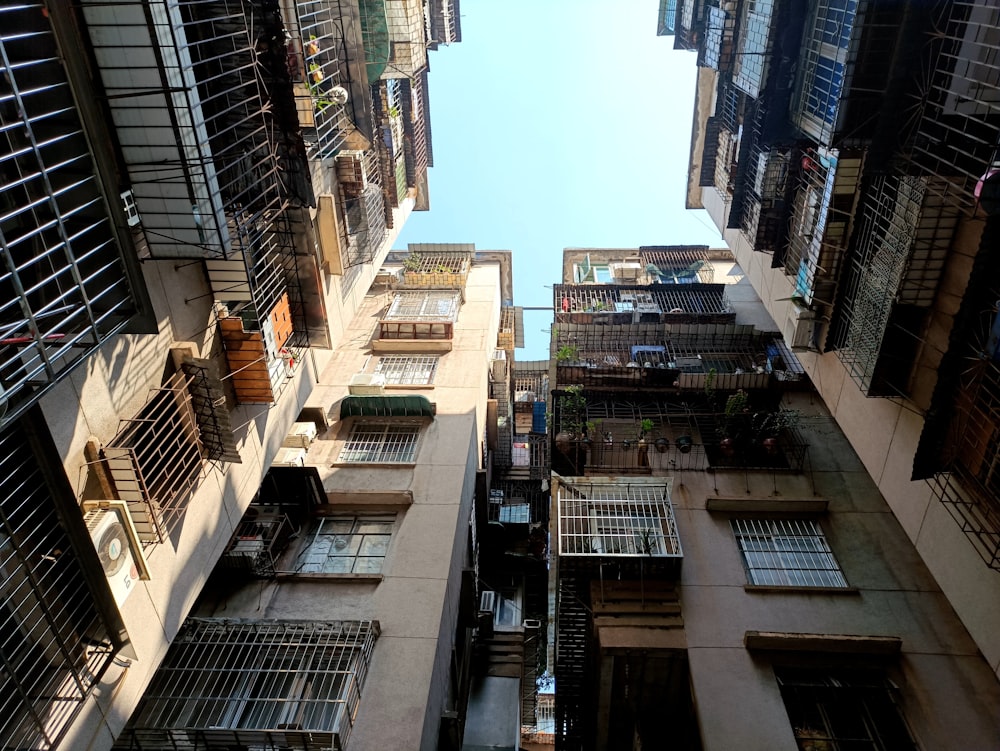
(724,570)
(856,190)
(198,196)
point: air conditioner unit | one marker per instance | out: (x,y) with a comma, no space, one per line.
(118,546)
(367,384)
(800,327)
(352,173)
(499,365)
(301,435)
(290,457)
(531,623)
(487,601)
(387,277)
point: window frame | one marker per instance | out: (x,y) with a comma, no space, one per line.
(786,545)
(367,437)
(358,520)
(403,370)
(817,696)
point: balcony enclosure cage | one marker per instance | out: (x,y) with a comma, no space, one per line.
(676,264)
(518,502)
(618,520)
(621,304)
(677,356)
(259,540)
(958,131)
(421,315)
(390,144)
(820,222)
(435,269)
(322,53)
(57,644)
(255,684)
(64,286)
(766,183)
(902,237)
(156,460)
(362,206)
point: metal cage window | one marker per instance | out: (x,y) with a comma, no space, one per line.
(843,709)
(405,370)
(347,545)
(262,684)
(787,553)
(431,306)
(381,443)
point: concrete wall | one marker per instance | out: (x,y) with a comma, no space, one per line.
(112,385)
(416,600)
(884,433)
(949,694)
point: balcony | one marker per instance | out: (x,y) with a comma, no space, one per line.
(628,521)
(425,317)
(436,269)
(257,350)
(660,303)
(394,38)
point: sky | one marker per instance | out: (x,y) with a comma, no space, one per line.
(559,123)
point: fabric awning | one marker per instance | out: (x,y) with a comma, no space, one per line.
(386,406)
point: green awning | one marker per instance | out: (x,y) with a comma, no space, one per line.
(386,406)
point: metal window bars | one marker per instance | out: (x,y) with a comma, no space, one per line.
(407,370)
(617,519)
(786,552)
(261,684)
(624,304)
(424,306)
(63,287)
(156,460)
(56,646)
(381,443)
(674,263)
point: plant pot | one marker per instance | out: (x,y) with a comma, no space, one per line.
(684,444)
(770,446)
(661,445)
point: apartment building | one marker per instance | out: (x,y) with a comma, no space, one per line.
(197,197)
(724,570)
(856,190)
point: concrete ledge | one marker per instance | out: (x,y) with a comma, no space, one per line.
(837,643)
(800,590)
(365,499)
(736,504)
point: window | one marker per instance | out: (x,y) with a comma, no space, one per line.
(843,709)
(635,534)
(257,676)
(381,442)
(346,545)
(438,306)
(407,371)
(787,553)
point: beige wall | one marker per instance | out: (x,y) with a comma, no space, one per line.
(884,433)
(112,385)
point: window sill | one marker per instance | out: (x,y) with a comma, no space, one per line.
(797,589)
(291,575)
(377,465)
(409,387)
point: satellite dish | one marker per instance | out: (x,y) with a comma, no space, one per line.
(338,95)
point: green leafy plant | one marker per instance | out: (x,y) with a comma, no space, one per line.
(567,353)
(645,427)
(412,262)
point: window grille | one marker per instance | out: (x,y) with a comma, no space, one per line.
(424,306)
(56,646)
(843,709)
(786,552)
(258,684)
(752,47)
(381,442)
(612,519)
(407,371)
(346,545)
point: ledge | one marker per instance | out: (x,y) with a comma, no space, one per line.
(797,590)
(736,504)
(291,575)
(836,643)
(341,499)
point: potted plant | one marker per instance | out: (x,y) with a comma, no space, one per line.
(767,426)
(732,431)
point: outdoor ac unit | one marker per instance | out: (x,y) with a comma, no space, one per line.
(366,384)
(487,601)
(352,174)
(300,436)
(800,327)
(386,277)
(118,546)
(499,365)
(626,271)
(290,457)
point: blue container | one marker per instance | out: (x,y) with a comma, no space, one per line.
(538,417)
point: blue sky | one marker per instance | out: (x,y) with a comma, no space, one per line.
(559,123)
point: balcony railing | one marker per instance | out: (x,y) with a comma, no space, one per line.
(257,543)
(617,519)
(421,315)
(659,303)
